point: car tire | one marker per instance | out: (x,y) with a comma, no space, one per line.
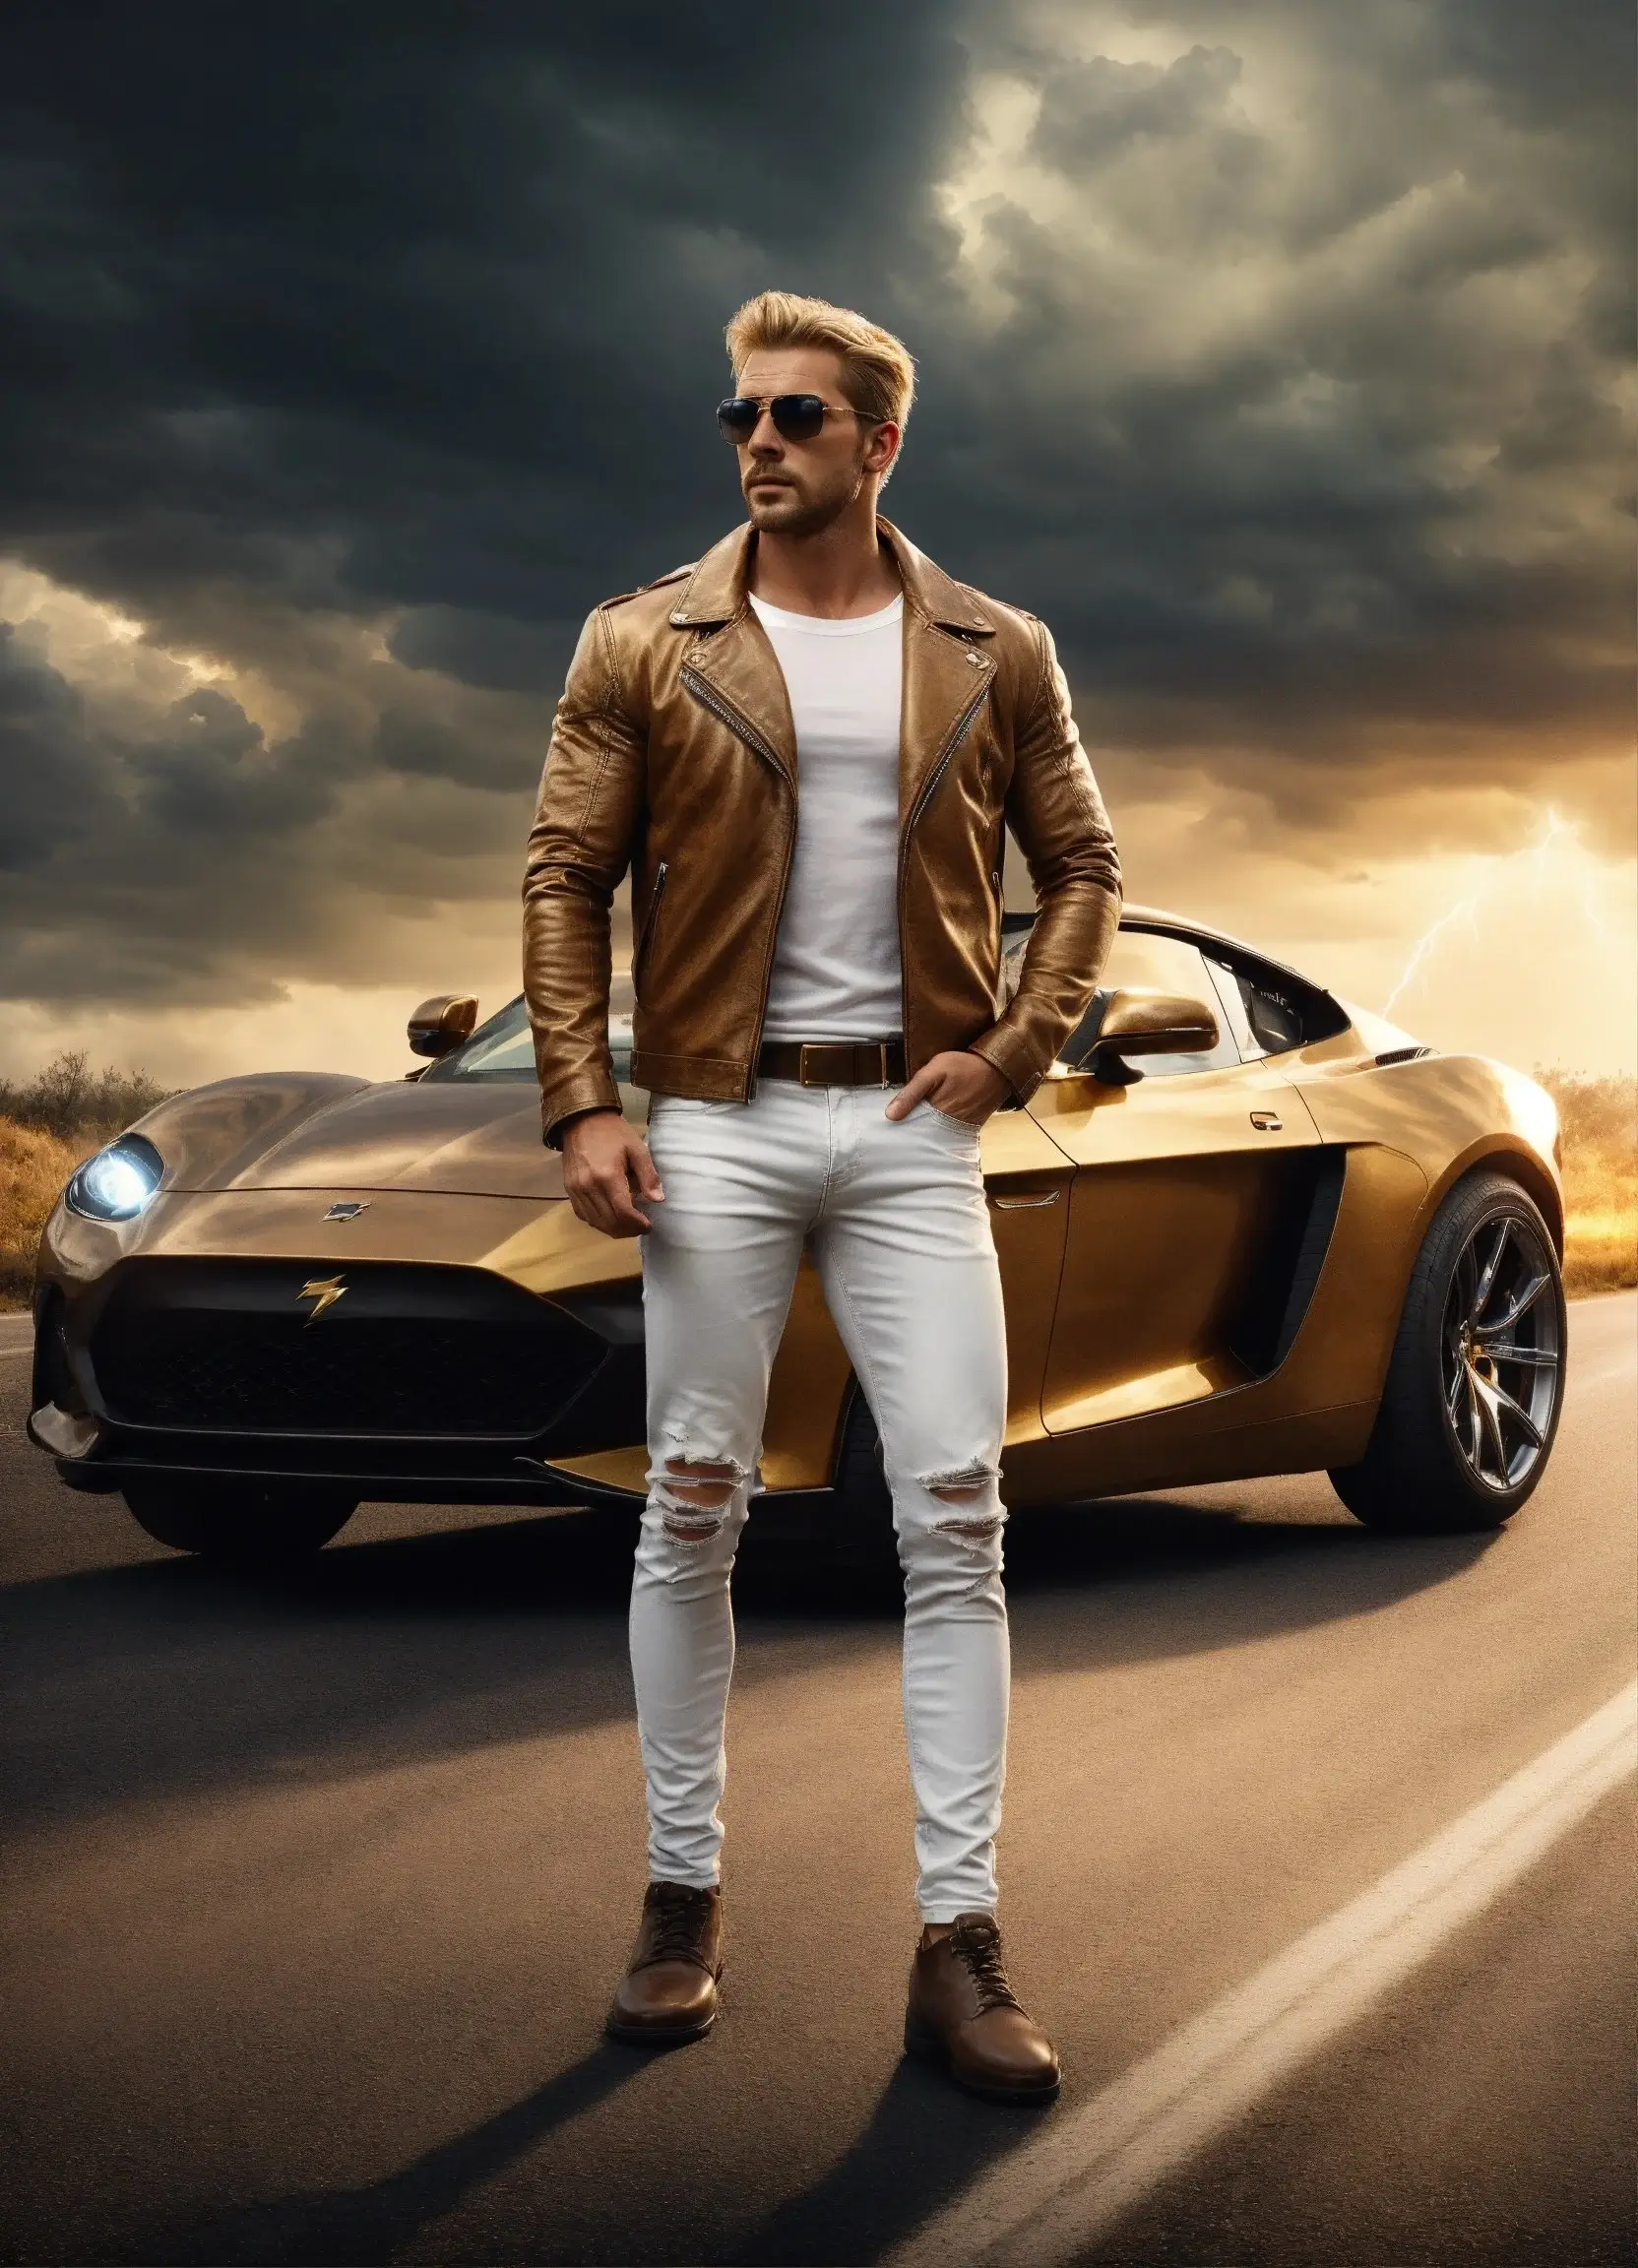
(859,1535)
(240,1524)
(1476,1380)
(864,1498)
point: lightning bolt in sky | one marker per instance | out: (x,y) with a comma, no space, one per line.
(1534,859)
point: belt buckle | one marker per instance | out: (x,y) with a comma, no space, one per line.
(808,1047)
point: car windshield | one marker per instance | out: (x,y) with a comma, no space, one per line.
(504,1046)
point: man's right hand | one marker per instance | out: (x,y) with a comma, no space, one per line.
(603,1162)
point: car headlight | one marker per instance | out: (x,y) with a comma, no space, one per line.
(119,1182)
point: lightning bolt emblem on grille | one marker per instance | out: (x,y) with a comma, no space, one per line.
(325,1290)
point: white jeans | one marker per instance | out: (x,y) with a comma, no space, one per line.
(895,1216)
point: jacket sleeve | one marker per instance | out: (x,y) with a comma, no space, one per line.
(1057,815)
(586,820)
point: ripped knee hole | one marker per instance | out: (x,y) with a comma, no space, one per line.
(970,1531)
(706,1481)
(696,1495)
(965,1487)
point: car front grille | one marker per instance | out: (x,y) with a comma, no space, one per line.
(412,1351)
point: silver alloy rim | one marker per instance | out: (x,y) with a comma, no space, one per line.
(1499,1352)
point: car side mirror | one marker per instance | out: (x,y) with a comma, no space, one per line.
(1138,1020)
(440,1024)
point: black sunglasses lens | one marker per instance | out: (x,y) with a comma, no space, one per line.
(798,417)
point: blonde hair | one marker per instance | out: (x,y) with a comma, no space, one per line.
(878,372)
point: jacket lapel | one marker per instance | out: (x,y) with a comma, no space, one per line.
(732,657)
(948,667)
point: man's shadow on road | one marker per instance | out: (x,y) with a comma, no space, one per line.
(376,2222)
(921,2146)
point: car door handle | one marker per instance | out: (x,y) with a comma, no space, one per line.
(1267,1121)
(1025,1204)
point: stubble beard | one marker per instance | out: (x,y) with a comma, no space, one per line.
(787,510)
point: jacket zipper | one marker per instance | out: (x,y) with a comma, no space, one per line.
(709,698)
(957,735)
(640,959)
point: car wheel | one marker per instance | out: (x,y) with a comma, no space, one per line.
(244,1524)
(1476,1381)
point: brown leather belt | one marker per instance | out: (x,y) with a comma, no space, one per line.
(834,1062)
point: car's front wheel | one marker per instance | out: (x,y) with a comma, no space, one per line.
(1476,1381)
(246,1522)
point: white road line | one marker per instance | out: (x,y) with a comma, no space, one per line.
(1052,2198)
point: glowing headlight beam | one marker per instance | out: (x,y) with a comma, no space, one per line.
(119,1182)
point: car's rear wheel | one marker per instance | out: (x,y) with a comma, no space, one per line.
(244,1524)
(1476,1381)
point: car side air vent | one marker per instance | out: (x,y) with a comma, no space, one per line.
(1304,1189)
(1405,1055)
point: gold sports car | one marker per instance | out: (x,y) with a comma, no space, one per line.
(1244,1228)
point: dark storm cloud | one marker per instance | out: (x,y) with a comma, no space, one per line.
(167,840)
(1385,500)
(363,348)
(417,304)
(51,774)
(320,315)
(1092,111)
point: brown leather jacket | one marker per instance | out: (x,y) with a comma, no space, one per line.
(673,752)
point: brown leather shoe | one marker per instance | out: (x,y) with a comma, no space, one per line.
(964,2015)
(669,1992)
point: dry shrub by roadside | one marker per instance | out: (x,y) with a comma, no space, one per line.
(72,1102)
(47,1124)
(1599,1118)
(34,1165)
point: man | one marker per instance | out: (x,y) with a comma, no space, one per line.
(807,748)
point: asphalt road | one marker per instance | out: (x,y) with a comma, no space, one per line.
(314,1894)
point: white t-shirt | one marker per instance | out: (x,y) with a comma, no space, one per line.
(836,958)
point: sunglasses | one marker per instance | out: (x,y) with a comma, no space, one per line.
(797,416)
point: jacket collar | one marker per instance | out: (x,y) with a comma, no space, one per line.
(946,678)
(715,593)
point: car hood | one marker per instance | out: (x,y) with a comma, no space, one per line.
(472,1137)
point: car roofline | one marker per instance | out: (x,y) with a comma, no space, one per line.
(1134,917)
(1158,919)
